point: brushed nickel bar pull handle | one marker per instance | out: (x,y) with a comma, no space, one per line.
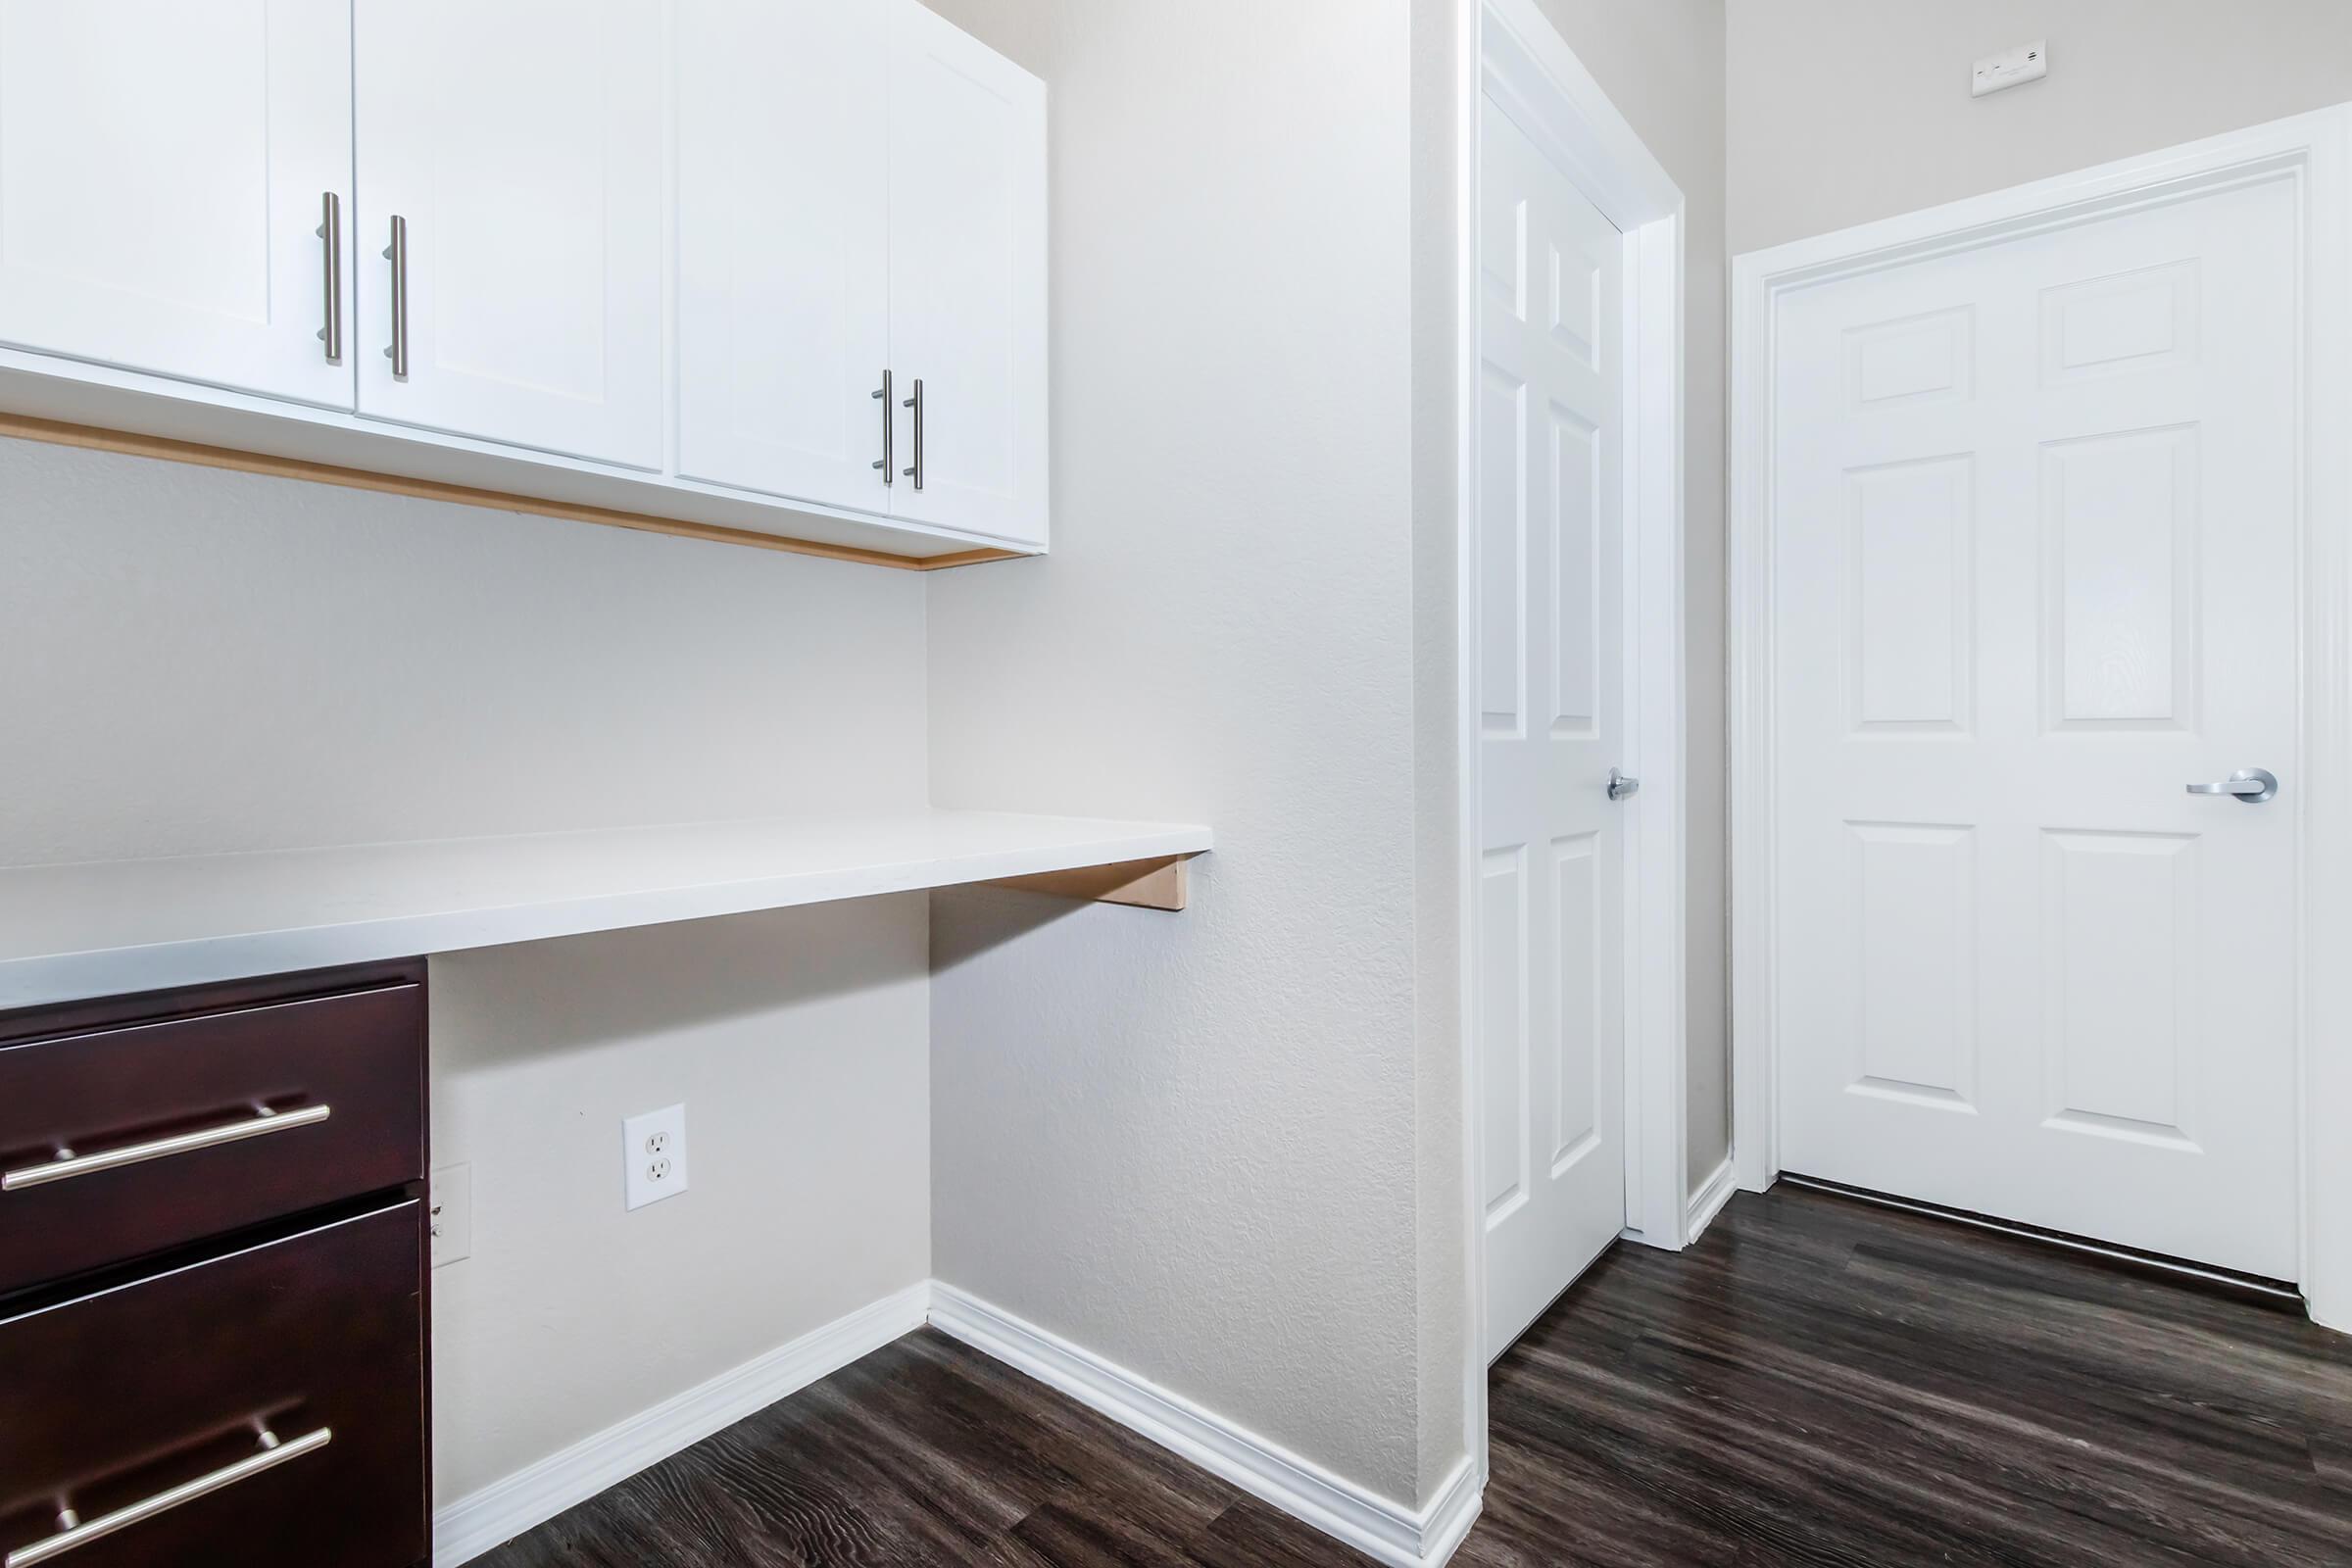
(397,253)
(69,1164)
(890,420)
(273,1453)
(331,229)
(916,404)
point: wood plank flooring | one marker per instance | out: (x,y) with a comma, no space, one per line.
(1818,1382)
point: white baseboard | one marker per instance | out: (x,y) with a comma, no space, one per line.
(1708,1202)
(1400,1537)
(505,1509)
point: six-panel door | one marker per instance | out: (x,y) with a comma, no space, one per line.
(783,242)
(1552,633)
(968,281)
(2036,513)
(162,170)
(520,145)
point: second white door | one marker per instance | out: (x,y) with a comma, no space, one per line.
(2035,522)
(1550,635)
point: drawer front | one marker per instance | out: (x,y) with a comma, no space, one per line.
(119,1400)
(181,1103)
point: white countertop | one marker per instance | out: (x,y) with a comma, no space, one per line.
(112,927)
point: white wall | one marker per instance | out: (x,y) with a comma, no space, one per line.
(200,661)
(1844,111)
(1189,1142)
(1661,62)
(798,1041)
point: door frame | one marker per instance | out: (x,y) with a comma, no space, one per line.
(1506,48)
(2313,151)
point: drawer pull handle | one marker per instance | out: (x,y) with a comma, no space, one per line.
(273,1453)
(68,1164)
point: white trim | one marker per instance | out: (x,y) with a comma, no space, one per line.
(1466,19)
(1384,1530)
(504,1509)
(2314,150)
(1513,53)
(1371,1524)
(1708,1202)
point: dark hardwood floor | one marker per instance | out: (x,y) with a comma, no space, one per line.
(1819,1381)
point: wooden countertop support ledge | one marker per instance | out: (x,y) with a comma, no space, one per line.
(1159,883)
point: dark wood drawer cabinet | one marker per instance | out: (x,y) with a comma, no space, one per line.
(126,1137)
(214,1262)
(131,1394)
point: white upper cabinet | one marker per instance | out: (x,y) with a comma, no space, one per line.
(519,145)
(861,189)
(649,259)
(164,170)
(968,281)
(783,247)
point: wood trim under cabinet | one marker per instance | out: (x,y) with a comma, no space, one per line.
(92,438)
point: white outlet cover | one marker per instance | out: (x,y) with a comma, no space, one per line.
(2028,62)
(652,1155)
(449,1194)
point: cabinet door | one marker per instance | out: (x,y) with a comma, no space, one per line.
(162,174)
(967,278)
(520,144)
(783,246)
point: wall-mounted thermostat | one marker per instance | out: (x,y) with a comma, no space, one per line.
(2028,62)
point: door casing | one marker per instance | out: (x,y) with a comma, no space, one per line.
(2313,152)
(1507,49)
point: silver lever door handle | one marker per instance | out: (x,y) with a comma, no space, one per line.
(2252,785)
(1621,786)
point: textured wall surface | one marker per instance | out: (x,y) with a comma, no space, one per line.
(203,662)
(1661,62)
(1843,111)
(1189,1143)
(200,661)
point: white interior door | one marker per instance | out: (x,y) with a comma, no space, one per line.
(521,143)
(1550,633)
(162,168)
(2035,529)
(784,246)
(967,280)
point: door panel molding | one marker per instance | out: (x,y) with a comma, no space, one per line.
(2141,329)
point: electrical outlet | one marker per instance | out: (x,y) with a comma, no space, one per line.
(653,1152)
(2028,62)
(449,1194)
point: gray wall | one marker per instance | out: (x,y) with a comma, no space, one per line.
(200,661)
(1190,1144)
(1661,62)
(1843,111)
